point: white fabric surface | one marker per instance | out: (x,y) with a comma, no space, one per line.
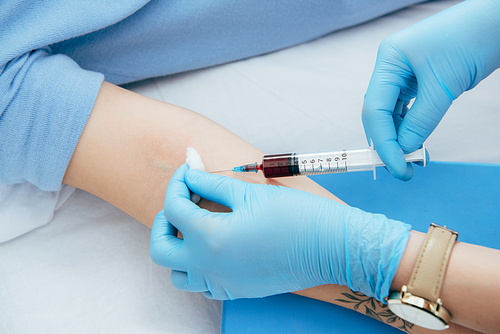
(89,270)
(23,207)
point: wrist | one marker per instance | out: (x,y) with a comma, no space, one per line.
(408,260)
(374,247)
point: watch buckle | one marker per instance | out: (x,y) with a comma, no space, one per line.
(446,228)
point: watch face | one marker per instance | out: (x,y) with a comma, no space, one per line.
(415,315)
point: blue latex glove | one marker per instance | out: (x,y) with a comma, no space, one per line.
(275,240)
(433,61)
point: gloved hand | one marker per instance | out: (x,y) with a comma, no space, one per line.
(275,240)
(433,61)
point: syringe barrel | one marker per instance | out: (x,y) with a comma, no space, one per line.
(279,165)
(292,164)
(340,161)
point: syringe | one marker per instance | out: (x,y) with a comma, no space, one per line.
(340,161)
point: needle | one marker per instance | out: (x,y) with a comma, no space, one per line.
(222,170)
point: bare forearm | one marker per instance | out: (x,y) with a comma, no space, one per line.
(471,287)
(132,145)
(369,306)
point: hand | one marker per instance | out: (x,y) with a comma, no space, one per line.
(275,240)
(433,61)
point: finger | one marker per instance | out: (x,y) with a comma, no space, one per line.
(423,117)
(392,80)
(378,121)
(178,208)
(164,243)
(208,294)
(218,293)
(177,189)
(424,163)
(399,113)
(216,188)
(188,282)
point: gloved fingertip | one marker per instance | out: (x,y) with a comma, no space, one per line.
(161,227)
(179,279)
(177,190)
(217,292)
(193,174)
(194,178)
(216,188)
(404,174)
(183,168)
(427,160)
(208,294)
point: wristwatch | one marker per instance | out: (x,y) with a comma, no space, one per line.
(419,302)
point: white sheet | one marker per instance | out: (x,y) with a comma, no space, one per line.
(89,270)
(23,207)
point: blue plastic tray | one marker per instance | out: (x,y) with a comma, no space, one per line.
(464,197)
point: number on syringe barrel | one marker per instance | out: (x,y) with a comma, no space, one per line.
(333,163)
(278,165)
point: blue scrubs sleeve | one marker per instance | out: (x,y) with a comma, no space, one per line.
(45,102)
(45,98)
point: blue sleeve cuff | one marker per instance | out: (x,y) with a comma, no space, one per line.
(376,247)
(393,239)
(44,105)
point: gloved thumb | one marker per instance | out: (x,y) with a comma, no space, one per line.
(179,210)
(178,214)
(216,188)
(164,242)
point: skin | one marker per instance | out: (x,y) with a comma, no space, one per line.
(132,145)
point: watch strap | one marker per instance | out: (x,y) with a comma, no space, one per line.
(428,274)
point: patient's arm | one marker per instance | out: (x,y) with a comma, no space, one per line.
(132,145)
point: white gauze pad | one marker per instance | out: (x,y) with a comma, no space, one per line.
(193,160)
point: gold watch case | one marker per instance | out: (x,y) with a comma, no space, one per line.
(418,310)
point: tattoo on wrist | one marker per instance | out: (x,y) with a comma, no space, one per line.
(375,309)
